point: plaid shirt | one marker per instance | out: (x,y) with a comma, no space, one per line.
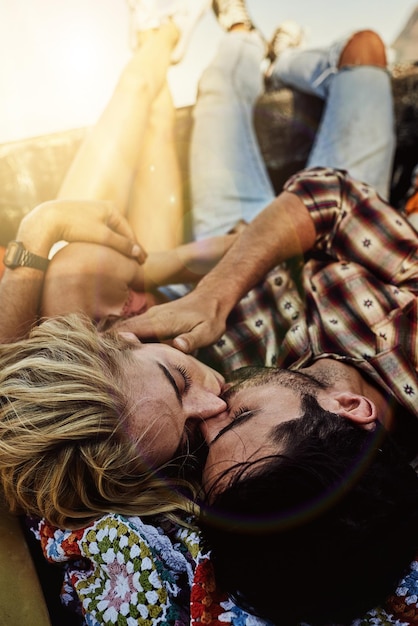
(354,298)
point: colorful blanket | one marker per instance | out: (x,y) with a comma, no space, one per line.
(120,570)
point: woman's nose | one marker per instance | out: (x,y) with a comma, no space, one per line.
(205,404)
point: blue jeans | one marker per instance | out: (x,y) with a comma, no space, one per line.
(229,180)
(228,175)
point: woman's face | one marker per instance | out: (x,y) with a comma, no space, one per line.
(171,394)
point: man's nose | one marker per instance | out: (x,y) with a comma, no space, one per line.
(210,428)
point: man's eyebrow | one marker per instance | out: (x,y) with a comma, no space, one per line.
(236,422)
(172,382)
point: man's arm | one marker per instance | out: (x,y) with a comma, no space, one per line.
(283,230)
(21,288)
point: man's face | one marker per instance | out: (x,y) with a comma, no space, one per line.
(259,401)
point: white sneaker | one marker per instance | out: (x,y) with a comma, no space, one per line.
(288,35)
(231,12)
(147,14)
(151,14)
(186,19)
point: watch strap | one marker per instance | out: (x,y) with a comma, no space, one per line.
(16,255)
(29,259)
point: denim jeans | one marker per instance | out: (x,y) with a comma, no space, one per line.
(357,130)
(229,180)
(228,175)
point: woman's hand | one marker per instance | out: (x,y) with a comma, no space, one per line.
(48,223)
(78,221)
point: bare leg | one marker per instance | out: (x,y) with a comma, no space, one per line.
(105,165)
(114,163)
(155,210)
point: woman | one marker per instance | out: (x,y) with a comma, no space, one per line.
(126,164)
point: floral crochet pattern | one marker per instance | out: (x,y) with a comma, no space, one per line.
(129,573)
(121,571)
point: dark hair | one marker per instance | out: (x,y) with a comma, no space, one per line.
(319,533)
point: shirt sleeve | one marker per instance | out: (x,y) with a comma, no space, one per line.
(354,224)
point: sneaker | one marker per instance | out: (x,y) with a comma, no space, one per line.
(288,35)
(151,14)
(186,19)
(147,14)
(232,12)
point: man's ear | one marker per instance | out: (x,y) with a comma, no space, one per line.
(354,407)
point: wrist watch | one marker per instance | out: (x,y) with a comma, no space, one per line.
(16,255)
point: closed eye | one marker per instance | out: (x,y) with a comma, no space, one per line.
(172,382)
(240,412)
(240,416)
(186,377)
(187,380)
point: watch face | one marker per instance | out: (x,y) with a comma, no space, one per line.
(13,254)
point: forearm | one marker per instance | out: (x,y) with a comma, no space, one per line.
(187,263)
(19,302)
(21,288)
(283,230)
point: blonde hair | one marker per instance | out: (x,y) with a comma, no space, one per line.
(64,449)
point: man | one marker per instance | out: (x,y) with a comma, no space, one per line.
(319,496)
(353,347)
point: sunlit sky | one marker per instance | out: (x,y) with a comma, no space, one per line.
(60,59)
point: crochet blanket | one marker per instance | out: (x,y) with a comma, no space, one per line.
(120,570)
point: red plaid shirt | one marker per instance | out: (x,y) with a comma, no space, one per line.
(353,299)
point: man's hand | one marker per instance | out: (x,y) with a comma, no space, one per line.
(282,231)
(191,322)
